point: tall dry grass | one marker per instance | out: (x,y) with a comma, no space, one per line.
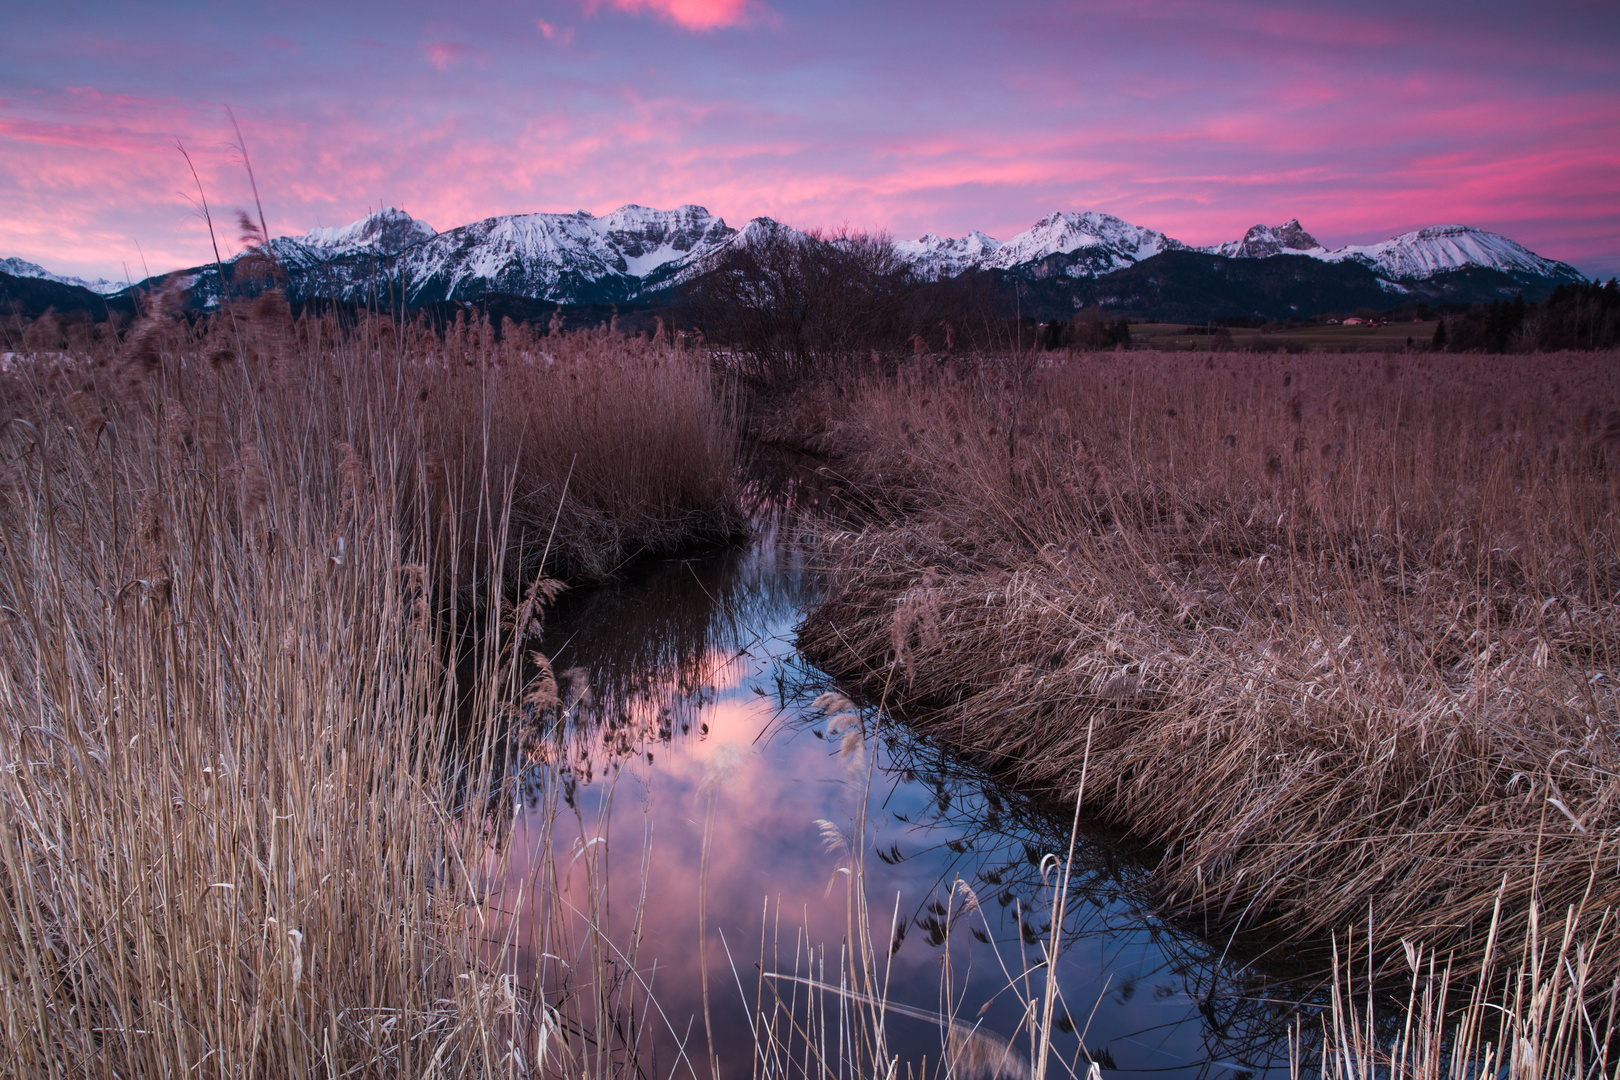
(636,432)
(249,810)
(615,447)
(1345,627)
(1529,1009)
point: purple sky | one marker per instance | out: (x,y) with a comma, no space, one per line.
(1361,119)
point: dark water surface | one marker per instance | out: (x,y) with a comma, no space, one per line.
(699,775)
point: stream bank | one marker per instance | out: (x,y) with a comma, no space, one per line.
(1288,614)
(730,827)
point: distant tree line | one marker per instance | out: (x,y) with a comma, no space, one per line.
(1091,328)
(1574,316)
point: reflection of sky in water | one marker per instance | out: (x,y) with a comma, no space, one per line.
(697,695)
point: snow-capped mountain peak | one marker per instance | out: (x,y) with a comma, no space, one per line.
(648,239)
(1094,243)
(23,269)
(1438,248)
(565,257)
(1262,241)
(1409,257)
(1064,233)
(935,257)
(637,251)
(388,230)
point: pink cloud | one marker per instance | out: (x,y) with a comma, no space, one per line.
(1197,119)
(562,34)
(445,55)
(690,14)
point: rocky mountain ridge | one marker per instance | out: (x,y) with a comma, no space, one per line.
(636,253)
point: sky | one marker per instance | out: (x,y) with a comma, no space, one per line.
(1200,119)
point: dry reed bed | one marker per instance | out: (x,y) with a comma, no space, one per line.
(637,433)
(229,842)
(1341,632)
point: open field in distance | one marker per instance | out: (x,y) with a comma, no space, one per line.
(1391,337)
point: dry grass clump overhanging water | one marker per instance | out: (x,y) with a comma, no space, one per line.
(1343,630)
(238,833)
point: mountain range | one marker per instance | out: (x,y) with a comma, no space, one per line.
(17,268)
(640,255)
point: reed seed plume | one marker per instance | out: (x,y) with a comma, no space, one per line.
(973,1053)
(833,839)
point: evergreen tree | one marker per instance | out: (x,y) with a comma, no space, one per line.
(1439,342)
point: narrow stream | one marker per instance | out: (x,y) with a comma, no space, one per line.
(698,774)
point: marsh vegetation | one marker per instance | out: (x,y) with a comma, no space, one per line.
(258,577)
(295,762)
(1334,637)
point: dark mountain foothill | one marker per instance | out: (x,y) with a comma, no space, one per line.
(30,297)
(1193,287)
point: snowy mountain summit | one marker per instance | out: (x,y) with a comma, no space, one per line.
(22,269)
(572,258)
(938,257)
(636,252)
(387,230)
(1426,252)
(1289,238)
(1091,243)
(1058,233)
(1094,244)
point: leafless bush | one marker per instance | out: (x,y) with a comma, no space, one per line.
(789,307)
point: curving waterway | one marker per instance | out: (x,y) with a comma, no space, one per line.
(710,826)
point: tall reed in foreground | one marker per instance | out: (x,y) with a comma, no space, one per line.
(243,826)
(1526,1012)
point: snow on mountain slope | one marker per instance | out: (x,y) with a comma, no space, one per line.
(1438,248)
(387,230)
(21,268)
(567,257)
(1411,256)
(383,234)
(700,259)
(525,254)
(1099,244)
(936,257)
(1262,241)
(1060,233)
(636,251)
(647,239)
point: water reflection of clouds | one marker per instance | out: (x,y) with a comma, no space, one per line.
(694,667)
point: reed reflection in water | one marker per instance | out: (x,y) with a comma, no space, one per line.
(672,830)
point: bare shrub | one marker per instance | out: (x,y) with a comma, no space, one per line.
(788,307)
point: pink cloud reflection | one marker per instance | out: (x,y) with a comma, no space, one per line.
(765,858)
